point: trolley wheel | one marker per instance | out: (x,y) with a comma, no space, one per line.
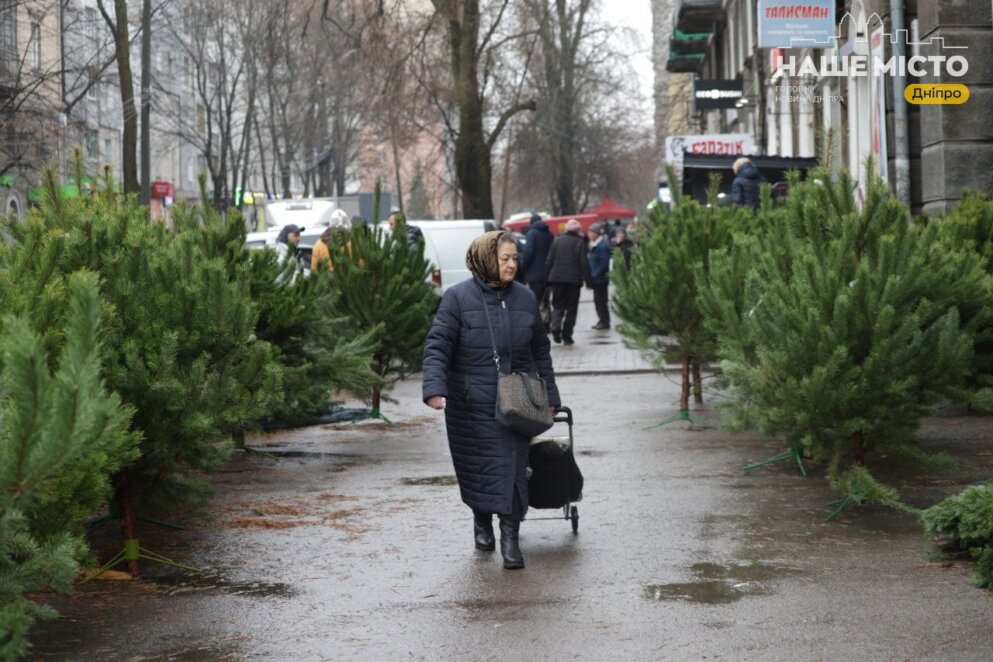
(575,519)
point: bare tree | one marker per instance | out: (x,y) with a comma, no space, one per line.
(587,133)
(472,49)
(118,25)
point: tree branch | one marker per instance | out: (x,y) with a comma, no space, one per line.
(531,105)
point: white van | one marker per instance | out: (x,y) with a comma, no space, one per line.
(445,246)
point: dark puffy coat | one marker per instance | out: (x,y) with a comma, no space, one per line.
(539,241)
(745,187)
(600,262)
(489,458)
(567,260)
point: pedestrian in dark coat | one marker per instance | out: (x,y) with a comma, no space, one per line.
(460,376)
(568,268)
(745,187)
(600,275)
(539,241)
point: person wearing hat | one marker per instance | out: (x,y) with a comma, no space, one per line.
(600,274)
(288,243)
(568,268)
(539,242)
(338,228)
(460,377)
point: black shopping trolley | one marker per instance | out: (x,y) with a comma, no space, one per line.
(555,480)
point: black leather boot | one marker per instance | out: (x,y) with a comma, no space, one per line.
(482,528)
(509,547)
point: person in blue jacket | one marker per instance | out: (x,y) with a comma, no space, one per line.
(539,241)
(746,184)
(460,377)
(600,274)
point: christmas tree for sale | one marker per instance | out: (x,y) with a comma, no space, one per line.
(319,355)
(380,286)
(852,330)
(657,296)
(968,228)
(180,340)
(57,424)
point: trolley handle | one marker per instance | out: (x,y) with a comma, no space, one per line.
(563,415)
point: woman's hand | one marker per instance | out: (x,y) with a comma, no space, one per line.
(436,402)
(553,410)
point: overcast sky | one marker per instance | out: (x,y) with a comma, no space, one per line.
(637,15)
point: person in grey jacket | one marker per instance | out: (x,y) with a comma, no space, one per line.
(460,376)
(568,267)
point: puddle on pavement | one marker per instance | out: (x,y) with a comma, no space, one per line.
(183,584)
(720,584)
(208,654)
(442,481)
(708,592)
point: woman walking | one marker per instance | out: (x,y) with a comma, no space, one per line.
(460,376)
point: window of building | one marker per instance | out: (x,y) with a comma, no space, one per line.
(8,28)
(201,120)
(92,145)
(34,47)
(92,25)
(108,151)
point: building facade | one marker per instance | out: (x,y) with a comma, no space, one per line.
(804,100)
(31,119)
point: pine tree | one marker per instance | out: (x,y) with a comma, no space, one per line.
(657,297)
(418,203)
(380,285)
(53,422)
(850,325)
(318,354)
(969,228)
(180,343)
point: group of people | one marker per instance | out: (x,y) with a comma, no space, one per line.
(338,232)
(556,268)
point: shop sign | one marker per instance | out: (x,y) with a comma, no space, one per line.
(796,23)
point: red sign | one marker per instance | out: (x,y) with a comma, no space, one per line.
(163,189)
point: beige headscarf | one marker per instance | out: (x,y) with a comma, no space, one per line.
(481,258)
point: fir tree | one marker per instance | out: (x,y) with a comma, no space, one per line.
(850,325)
(418,203)
(180,343)
(969,228)
(657,297)
(380,285)
(51,422)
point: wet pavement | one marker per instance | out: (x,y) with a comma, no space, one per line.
(353,544)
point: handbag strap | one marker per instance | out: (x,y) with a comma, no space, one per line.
(489,325)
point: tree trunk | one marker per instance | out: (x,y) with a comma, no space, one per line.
(129,140)
(125,501)
(858,449)
(684,395)
(697,384)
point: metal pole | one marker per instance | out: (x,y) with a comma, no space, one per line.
(146,101)
(901,160)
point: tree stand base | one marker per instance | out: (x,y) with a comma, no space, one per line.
(795,454)
(682,415)
(133,552)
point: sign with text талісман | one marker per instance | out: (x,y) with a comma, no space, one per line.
(796,23)
(709,94)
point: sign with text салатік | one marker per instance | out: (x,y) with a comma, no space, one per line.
(796,23)
(725,144)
